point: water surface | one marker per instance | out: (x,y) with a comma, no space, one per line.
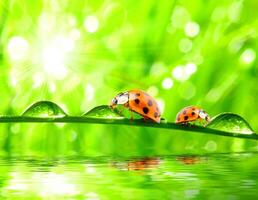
(210,176)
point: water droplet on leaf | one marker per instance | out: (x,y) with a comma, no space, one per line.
(230,122)
(44,109)
(103,111)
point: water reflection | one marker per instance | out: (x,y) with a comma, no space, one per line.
(189,160)
(138,164)
(163,177)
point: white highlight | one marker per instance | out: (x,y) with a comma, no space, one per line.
(64,44)
(248,56)
(54,57)
(46,22)
(53,62)
(16,182)
(182,73)
(89,92)
(17,186)
(90,169)
(92,196)
(190,68)
(167,83)
(91,24)
(18,48)
(56,184)
(192,29)
(178,73)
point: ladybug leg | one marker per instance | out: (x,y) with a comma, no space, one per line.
(145,119)
(126,105)
(120,111)
(202,122)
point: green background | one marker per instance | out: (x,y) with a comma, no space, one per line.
(80,54)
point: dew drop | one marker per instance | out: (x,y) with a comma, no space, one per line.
(103,111)
(230,122)
(44,109)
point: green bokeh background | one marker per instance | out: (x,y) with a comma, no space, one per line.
(80,54)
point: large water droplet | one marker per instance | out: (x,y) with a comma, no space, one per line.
(103,112)
(230,122)
(44,109)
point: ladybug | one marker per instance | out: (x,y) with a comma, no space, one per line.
(191,113)
(139,102)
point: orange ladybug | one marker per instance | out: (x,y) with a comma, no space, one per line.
(139,102)
(191,113)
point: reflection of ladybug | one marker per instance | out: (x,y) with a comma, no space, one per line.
(138,102)
(188,160)
(191,113)
(143,164)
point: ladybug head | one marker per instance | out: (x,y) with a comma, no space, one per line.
(204,115)
(120,99)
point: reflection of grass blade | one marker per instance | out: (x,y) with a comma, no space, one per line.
(92,120)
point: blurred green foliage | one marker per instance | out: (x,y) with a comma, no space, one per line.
(79,54)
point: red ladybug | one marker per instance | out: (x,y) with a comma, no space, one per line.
(139,102)
(191,113)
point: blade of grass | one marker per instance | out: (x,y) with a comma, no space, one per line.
(92,120)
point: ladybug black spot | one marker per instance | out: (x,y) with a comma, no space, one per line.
(145,110)
(150,103)
(138,94)
(193,108)
(137,101)
(193,113)
(186,117)
(156,114)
